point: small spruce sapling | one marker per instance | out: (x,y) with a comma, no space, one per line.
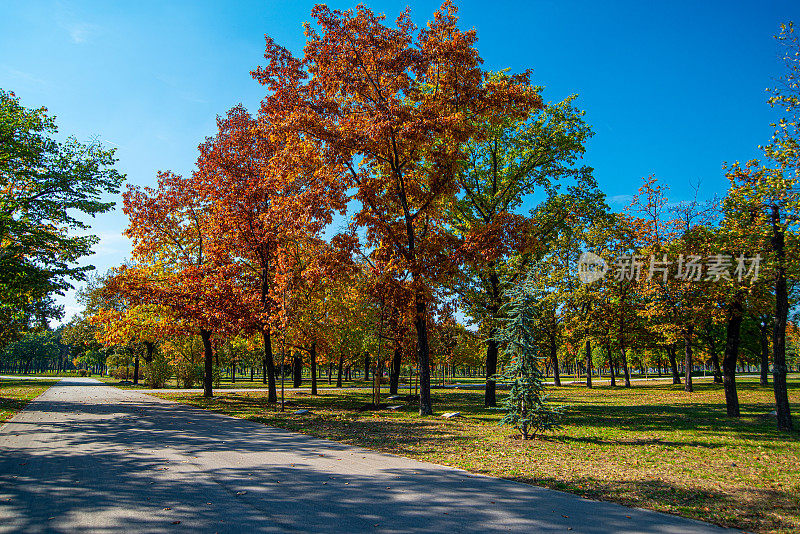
(527,408)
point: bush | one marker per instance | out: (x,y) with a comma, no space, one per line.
(188,374)
(157,372)
(82,372)
(123,373)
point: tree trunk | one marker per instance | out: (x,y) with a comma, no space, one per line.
(423,358)
(554,361)
(394,378)
(136,370)
(687,347)
(208,360)
(269,368)
(717,369)
(625,366)
(732,339)
(611,366)
(673,363)
(313,355)
(490,393)
(339,371)
(764,340)
(588,364)
(366,366)
(297,371)
(779,369)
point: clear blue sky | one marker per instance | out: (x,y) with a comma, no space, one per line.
(672,88)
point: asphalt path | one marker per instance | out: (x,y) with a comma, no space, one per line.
(86,457)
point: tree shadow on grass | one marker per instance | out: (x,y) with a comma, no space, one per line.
(759,510)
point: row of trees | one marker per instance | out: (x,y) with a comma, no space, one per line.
(381,117)
(437,161)
(460,184)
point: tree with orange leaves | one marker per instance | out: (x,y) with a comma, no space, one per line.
(396,112)
(170,233)
(266,192)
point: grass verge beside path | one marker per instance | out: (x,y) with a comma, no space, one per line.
(15,394)
(653,446)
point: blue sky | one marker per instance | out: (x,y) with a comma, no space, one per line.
(671,88)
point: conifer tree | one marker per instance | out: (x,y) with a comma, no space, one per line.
(526,406)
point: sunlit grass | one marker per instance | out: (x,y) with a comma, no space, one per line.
(15,394)
(653,446)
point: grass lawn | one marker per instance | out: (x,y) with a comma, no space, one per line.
(15,394)
(653,446)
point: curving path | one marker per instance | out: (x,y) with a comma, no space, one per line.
(85,457)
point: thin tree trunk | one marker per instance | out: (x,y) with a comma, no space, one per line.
(554,361)
(779,369)
(764,339)
(136,370)
(269,368)
(687,340)
(588,364)
(673,363)
(732,339)
(394,378)
(208,360)
(625,370)
(313,355)
(423,358)
(611,365)
(297,371)
(490,393)
(366,366)
(339,371)
(717,369)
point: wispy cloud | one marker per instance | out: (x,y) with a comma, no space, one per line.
(620,200)
(21,75)
(111,244)
(177,85)
(80,32)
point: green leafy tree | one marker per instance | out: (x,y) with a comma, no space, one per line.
(45,186)
(768,194)
(515,158)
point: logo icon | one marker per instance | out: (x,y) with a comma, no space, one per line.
(591,267)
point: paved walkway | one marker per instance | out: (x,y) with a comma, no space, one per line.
(85,457)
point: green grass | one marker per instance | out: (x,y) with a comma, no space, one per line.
(15,394)
(652,446)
